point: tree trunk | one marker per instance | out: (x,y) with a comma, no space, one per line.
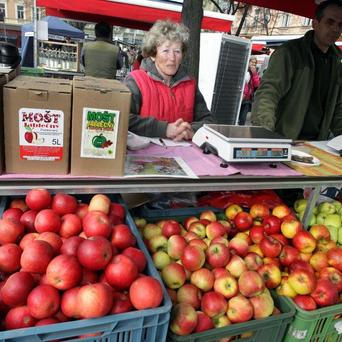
(192,14)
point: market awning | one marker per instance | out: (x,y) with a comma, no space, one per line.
(259,48)
(138,14)
(305,8)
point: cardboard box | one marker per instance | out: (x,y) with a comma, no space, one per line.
(37,114)
(99,126)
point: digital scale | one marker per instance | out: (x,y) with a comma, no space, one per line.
(243,143)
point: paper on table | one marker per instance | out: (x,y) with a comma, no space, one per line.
(169,142)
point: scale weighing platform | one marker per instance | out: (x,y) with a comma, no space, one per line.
(243,143)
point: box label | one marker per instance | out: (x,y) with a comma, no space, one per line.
(41,133)
(99,133)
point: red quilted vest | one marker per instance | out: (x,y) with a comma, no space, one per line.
(163,102)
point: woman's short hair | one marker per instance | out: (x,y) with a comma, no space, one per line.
(161,31)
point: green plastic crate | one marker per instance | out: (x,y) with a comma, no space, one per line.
(27,71)
(270,329)
(321,325)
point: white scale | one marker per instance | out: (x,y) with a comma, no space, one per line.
(243,143)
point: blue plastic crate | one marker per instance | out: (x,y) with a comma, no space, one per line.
(135,326)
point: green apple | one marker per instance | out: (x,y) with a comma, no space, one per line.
(327,207)
(300,205)
(339,236)
(315,210)
(333,220)
(337,204)
(320,218)
(312,218)
(161,259)
(333,233)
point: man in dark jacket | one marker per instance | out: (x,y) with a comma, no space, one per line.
(300,95)
(101,58)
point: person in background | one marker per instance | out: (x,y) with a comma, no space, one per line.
(101,58)
(252,81)
(137,62)
(300,95)
(166,101)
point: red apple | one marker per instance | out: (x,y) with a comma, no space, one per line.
(251,284)
(302,281)
(121,272)
(36,256)
(173,275)
(217,255)
(19,203)
(10,230)
(27,220)
(88,277)
(146,293)
(95,253)
(64,204)
(325,293)
(290,227)
(208,215)
(195,242)
(305,302)
(198,228)
(43,301)
(189,220)
(16,288)
(335,258)
(236,266)
(122,237)
(270,247)
(193,258)
(13,214)
(304,242)
(259,211)
(70,245)
(281,238)
(38,199)
(189,293)
(318,261)
(184,319)
(100,202)
(302,265)
(240,309)
(121,303)
(215,229)
(27,239)
(332,274)
(47,221)
(281,211)
(256,233)
(10,254)
(202,279)
(82,210)
(204,322)
(238,246)
(218,272)
(226,285)
(271,275)
(213,304)
(47,321)
(117,210)
(320,232)
(53,239)
(171,227)
(271,224)
(64,272)
(253,261)
(94,300)
(243,221)
(288,255)
(71,225)
(190,236)
(19,317)
(96,223)
(263,305)
(69,304)
(137,256)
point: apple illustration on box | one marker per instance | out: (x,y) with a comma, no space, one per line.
(30,136)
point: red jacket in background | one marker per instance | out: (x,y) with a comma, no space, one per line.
(251,86)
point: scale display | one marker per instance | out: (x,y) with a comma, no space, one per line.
(260,153)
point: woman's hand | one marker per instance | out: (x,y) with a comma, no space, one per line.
(179,130)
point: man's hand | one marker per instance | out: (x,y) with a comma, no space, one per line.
(179,130)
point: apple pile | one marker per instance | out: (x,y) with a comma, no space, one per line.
(327,213)
(61,259)
(218,272)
